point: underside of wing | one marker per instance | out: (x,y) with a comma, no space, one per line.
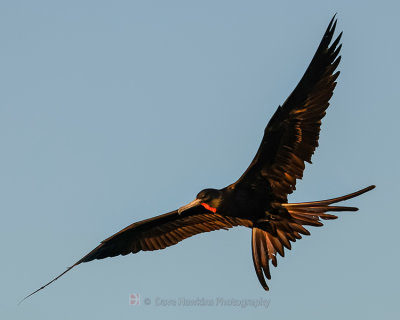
(157,233)
(162,231)
(292,134)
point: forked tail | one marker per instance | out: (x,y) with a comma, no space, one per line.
(271,237)
(316,209)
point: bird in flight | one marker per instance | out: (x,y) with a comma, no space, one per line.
(258,200)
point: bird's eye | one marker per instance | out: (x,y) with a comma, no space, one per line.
(203,195)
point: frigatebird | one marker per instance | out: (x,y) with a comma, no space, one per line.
(258,200)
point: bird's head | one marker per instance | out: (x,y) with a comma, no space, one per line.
(208,198)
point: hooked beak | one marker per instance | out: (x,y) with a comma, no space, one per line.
(192,204)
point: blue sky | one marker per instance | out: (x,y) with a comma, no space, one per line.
(113,112)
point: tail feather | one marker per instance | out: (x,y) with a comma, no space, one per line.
(271,236)
(329,201)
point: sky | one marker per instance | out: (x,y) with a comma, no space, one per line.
(115,111)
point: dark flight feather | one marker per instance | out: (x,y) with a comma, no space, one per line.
(289,140)
(289,229)
(157,233)
(291,135)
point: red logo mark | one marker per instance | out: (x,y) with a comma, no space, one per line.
(134,299)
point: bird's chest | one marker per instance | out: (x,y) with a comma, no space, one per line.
(244,204)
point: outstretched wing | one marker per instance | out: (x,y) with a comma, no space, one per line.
(161,232)
(291,135)
(157,233)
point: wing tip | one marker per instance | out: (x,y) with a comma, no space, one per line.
(48,283)
(330,30)
(332,23)
(328,35)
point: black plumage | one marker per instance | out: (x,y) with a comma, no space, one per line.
(258,200)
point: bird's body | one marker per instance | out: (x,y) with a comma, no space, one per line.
(258,200)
